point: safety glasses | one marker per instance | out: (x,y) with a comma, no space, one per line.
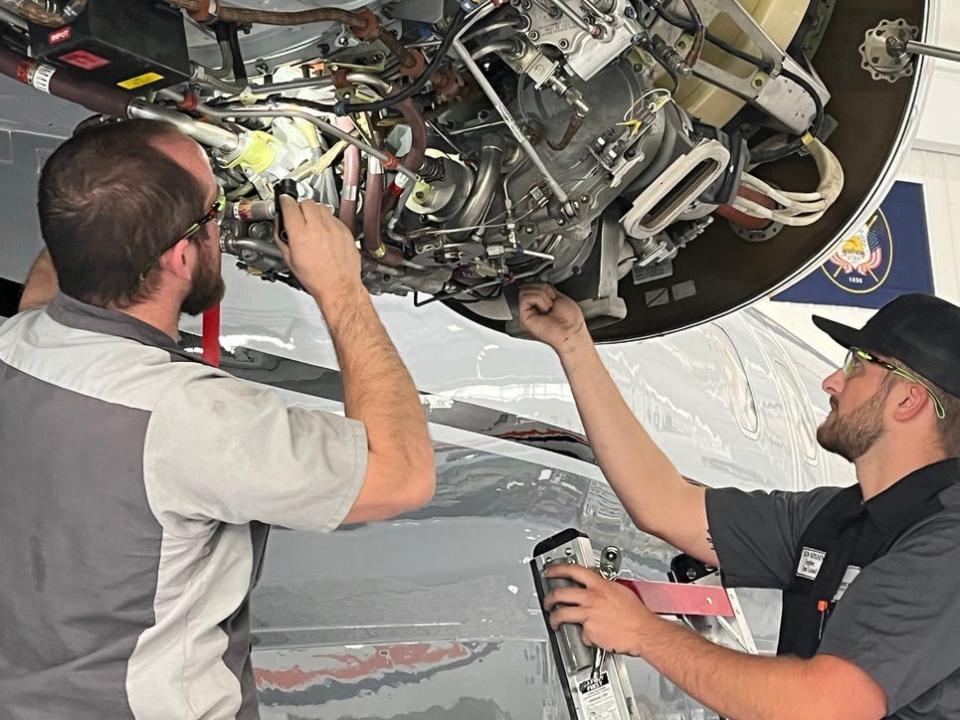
(855,356)
(214,214)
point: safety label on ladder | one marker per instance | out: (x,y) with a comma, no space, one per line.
(599,702)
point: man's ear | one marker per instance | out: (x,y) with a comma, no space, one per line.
(178,260)
(911,398)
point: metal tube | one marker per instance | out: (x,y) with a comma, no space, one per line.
(232,245)
(476,128)
(511,23)
(351,180)
(515,130)
(204,133)
(324,82)
(371,209)
(481,194)
(273,110)
(919,48)
(495,46)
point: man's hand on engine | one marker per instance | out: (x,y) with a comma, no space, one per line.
(320,251)
(552,318)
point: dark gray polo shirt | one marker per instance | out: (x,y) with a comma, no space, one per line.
(138,487)
(898,620)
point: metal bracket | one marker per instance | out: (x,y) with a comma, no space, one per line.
(887,50)
(877,58)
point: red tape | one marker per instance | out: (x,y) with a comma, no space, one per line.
(23,71)
(211,336)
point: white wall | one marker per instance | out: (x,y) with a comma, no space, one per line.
(933,161)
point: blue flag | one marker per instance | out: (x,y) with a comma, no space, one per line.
(885,258)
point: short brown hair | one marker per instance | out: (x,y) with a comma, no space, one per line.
(110,203)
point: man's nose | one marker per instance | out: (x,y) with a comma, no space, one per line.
(834,382)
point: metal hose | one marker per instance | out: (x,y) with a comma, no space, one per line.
(64,84)
(351,179)
(244,16)
(372,242)
(36,11)
(413,160)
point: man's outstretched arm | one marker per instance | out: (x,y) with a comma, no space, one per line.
(41,285)
(659,500)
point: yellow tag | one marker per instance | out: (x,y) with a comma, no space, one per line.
(807,138)
(140,80)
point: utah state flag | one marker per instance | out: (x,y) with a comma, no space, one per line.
(889,255)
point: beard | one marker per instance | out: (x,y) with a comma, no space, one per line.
(207,286)
(852,436)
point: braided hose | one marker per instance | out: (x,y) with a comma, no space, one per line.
(36,11)
(245,16)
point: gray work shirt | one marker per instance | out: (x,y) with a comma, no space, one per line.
(138,487)
(899,620)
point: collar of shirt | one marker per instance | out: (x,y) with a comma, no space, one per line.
(904,496)
(71,312)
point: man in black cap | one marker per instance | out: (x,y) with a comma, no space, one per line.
(869,573)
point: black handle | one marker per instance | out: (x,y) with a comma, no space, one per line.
(289,188)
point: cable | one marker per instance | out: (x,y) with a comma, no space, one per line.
(690,26)
(417,85)
(701,32)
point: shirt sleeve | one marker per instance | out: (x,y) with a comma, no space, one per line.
(756,534)
(218,448)
(898,620)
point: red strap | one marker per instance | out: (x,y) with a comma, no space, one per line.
(667,598)
(211,336)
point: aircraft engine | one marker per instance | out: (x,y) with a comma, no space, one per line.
(662,161)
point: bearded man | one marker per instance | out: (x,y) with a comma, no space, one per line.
(140,484)
(871,592)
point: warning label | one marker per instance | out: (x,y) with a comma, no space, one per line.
(599,702)
(84,60)
(140,80)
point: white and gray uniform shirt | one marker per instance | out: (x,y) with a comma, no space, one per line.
(138,487)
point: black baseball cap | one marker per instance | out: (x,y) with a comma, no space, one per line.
(919,330)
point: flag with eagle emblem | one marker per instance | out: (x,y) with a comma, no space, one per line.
(887,256)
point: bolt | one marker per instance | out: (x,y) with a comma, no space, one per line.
(533,35)
(342,41)
(629,12)
(584,199)
(528,229)
(563,44)
(758,81)
(569,551)
(419,195)
(561,222)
